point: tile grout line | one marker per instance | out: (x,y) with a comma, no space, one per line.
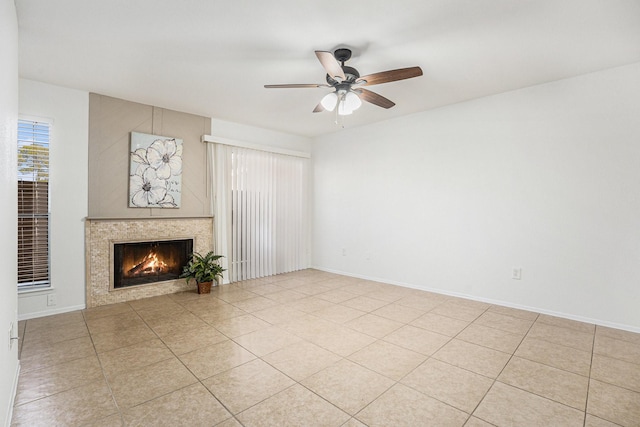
(104,375)
(593,349)
(495,380)
(198,380)
(394,383)
(120,411)
(548,398)
(399,382)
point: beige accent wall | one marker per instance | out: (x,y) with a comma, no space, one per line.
(111,122)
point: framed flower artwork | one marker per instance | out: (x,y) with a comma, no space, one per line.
(155,171)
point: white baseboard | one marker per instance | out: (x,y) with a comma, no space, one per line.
(14,391)
(50,312)
(599,322)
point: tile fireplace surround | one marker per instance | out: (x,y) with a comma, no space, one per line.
(101,233)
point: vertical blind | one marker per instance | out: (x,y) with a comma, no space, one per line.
(262,207)
(33,204)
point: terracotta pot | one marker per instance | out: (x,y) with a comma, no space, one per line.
(204,287)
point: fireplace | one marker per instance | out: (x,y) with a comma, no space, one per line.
(101,234)
(142,263)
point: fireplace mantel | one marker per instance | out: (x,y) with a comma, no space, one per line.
(101,232)
(152,218)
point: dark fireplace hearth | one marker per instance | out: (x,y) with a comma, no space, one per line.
(142,263)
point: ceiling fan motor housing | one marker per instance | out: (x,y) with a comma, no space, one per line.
(350,73)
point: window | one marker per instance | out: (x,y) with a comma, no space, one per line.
(33,204)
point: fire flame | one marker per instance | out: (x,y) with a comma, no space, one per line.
(149,265)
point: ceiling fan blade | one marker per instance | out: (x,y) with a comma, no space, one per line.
(319,108)
(390,76)
(330,64)
(294,86)
(374,98)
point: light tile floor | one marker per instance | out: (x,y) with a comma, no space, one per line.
(317,349)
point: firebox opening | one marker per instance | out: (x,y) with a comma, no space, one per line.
(141,263)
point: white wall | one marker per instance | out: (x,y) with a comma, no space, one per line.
(9,206)
(546,179)
(260,136)
(69,110)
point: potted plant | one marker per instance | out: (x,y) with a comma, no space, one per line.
(204,270)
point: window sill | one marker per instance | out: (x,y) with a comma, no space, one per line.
(35,291)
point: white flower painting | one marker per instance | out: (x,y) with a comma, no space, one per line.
(155,174)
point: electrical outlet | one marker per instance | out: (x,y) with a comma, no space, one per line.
(51,299)
(516,274)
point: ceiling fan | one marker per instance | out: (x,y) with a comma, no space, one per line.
(348,85)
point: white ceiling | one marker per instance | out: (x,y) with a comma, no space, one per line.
(212,57)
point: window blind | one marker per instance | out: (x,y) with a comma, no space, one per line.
(262,211)
(33,204)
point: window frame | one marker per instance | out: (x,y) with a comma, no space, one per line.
(41,284)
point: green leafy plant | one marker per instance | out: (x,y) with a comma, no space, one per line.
(202,268)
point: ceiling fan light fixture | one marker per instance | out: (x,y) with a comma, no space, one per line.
(352,101)
(343,110)
(349,102)
(329,101)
